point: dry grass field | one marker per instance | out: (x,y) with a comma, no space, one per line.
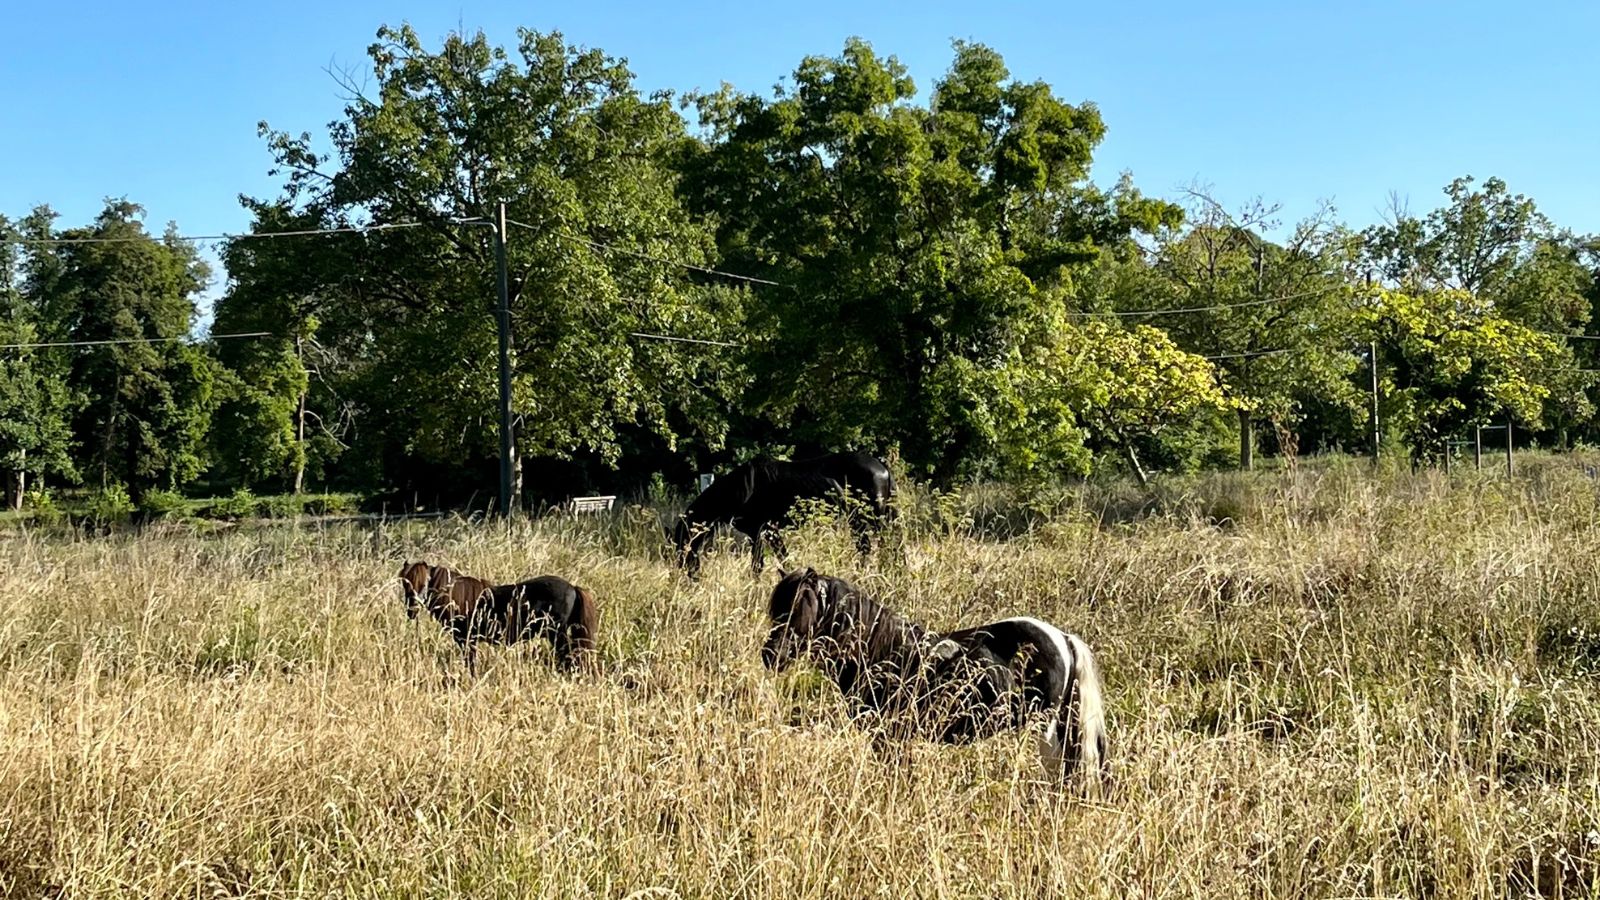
(1348,687)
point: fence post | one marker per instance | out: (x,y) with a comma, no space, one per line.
(1510,466)
(1477,447)
(1372,351)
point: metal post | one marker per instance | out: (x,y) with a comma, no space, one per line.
(1372,350)
(1510,466)
(509,503)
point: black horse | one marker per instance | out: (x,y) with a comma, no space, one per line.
(757,497)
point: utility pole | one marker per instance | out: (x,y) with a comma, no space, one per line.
(1372,356)
(509,502)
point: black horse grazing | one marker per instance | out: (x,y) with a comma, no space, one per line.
(758,496)
(954,687)
(473,609)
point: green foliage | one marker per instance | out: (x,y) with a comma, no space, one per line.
(241,505)
(147,402)
(1277,318)
(935,278)
(35,401)
(931,246)
(1135,382)
(274,288)
(162,504)
(109,505)
(560,135)
(41,507)
(1451,363)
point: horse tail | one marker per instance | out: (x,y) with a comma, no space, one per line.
(1083,713)
(582,630)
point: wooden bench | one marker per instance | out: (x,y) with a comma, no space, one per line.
(592,504)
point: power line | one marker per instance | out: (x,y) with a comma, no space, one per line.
(681,340)
(213,337)
(612,248)
(246,236)
(1254,354)
(1199,309)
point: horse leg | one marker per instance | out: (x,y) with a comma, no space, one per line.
(863,536)
(758,552)
(1053,742)
(562,642)
(472,659)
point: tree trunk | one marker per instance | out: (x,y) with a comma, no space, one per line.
(300,426)
(516,484)
(1247,440)
(1133,463)
(516,479)
(19,482)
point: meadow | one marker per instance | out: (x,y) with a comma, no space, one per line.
(1323,683)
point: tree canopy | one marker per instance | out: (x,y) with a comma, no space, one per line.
(845,261)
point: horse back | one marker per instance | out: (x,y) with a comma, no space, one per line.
(863,474)
(1019,655)
(547,599)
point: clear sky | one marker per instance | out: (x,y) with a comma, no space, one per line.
(1290,101)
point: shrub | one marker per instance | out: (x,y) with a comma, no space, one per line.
(242,505)
(162,504)
(109,505)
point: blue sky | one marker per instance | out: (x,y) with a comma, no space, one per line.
(1291,102)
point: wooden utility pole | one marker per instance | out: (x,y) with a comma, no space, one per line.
(510,503)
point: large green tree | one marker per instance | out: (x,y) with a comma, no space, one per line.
(147,393)
(561,136)
(35,402)
(1452,362)
(926,253)
(1276,318)
(1499,249)
(276,421)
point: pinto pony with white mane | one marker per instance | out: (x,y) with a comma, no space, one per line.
(954,687)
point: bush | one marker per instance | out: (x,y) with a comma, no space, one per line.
(279,506)
(109,506)
(242,505)
(330,504)
(162,504)
(40,507)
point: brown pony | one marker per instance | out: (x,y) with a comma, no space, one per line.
(473,609)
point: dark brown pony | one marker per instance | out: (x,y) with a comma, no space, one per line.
(954,687)
(473,609)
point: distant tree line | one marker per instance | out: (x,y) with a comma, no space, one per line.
(935,278)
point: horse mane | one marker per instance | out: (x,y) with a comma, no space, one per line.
(860,626)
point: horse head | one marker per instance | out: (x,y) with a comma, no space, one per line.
(795,611)
(685,539)
(414,579)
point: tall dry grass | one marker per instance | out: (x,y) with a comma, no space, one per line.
(1348,687)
